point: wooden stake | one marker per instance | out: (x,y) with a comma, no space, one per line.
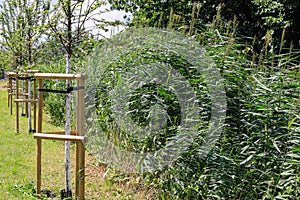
(26,96)
(39,141)
(17,105)
(40,106)
(80,149)
(34,105)
(10,94)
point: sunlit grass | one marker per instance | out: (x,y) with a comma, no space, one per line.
(18,164)
(18,156)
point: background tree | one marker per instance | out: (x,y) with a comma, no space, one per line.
(22,25)
(12,31)
(253,18)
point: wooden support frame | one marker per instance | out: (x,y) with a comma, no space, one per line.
(77,136)
(11,89)
(17,103)
(32,72)
(26,100)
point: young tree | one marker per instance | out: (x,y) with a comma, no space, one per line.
(69,21)
(22,25)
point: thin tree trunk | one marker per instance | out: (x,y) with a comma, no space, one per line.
(29,104)
(68,128)
(68,97)
(29,87)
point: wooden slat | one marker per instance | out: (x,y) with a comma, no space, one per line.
(57,76)
(38,166)
(10,74)
(71,138)
(61,133)
(13,93)
(26,100)
(40,107)
(33,71)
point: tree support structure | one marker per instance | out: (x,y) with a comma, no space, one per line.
(77,136)
(23,95)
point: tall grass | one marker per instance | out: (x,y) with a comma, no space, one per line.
(258,154)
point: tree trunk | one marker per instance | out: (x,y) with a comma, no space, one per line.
(29,83)
(68,128)
(68,97)
(29,104)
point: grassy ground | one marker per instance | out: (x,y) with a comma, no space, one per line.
(18,167)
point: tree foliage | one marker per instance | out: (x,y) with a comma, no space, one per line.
(22,25)
(72,22)
(253,18)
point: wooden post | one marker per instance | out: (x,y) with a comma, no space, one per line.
(11,89)
(17,105)
(25,95)
(34,105)
(38,166)
(22,91)
(40,106)
(10,92)
(39,141)
(80,149)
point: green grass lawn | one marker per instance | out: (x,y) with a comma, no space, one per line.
(18,165)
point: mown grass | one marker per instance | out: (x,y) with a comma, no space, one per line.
(18,165)
(17,171)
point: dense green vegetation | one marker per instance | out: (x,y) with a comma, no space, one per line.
(255,45)
(257,156)
(253,18)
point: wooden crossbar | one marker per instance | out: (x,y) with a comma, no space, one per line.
(33,71)
(71,138)
(26,100)
(61,133)
(58,76)
(10,74)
